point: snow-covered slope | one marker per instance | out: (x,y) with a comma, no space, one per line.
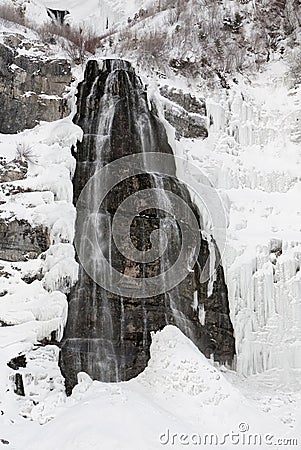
(179,392)
(96,14)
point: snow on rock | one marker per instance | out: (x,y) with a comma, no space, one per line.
(33,304)
(60,268)
(51,167)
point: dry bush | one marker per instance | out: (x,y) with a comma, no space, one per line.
(78,43)
(232,59)
(178,5)
(150,43)
(153,42)
(48,32)
(24,152)
(292,15)
(75,41)
(12,14)
(294,64)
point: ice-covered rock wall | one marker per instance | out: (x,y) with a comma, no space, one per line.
(37,265)
(252,157)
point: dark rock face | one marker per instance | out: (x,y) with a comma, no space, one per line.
(18,362)
(19,385)
(185,113)
(57,15)
(108,335)
(186,125)
(20,241)
(31,89)
(186,101)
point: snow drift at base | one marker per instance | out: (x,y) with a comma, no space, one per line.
(179,392)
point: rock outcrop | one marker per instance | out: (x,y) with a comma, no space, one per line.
(19,241)
(12,170)
(57,15)
(32,88)
(187,114)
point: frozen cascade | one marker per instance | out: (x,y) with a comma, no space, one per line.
(262,258)
(108,335)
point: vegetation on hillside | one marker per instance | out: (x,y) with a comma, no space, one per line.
(213,39)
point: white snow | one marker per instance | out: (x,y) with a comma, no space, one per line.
(98,15)
(179,392)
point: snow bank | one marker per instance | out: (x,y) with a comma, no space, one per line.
(179,392)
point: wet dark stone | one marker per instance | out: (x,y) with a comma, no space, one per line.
(57,15)
(186,113)
(109,335)
(187,101)
(16,363)
(19,386)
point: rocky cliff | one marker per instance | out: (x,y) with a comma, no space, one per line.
(108,335)
(33,86)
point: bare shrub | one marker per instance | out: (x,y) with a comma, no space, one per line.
(12,14)
(48,32)
(292,14)
(24,152)
(75,41)
(153,42)
(149,43)
(294,63)
(232,59)
(75,51)
(78,43)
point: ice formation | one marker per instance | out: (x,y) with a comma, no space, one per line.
(252,157)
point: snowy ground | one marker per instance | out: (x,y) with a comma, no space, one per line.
(181,399)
